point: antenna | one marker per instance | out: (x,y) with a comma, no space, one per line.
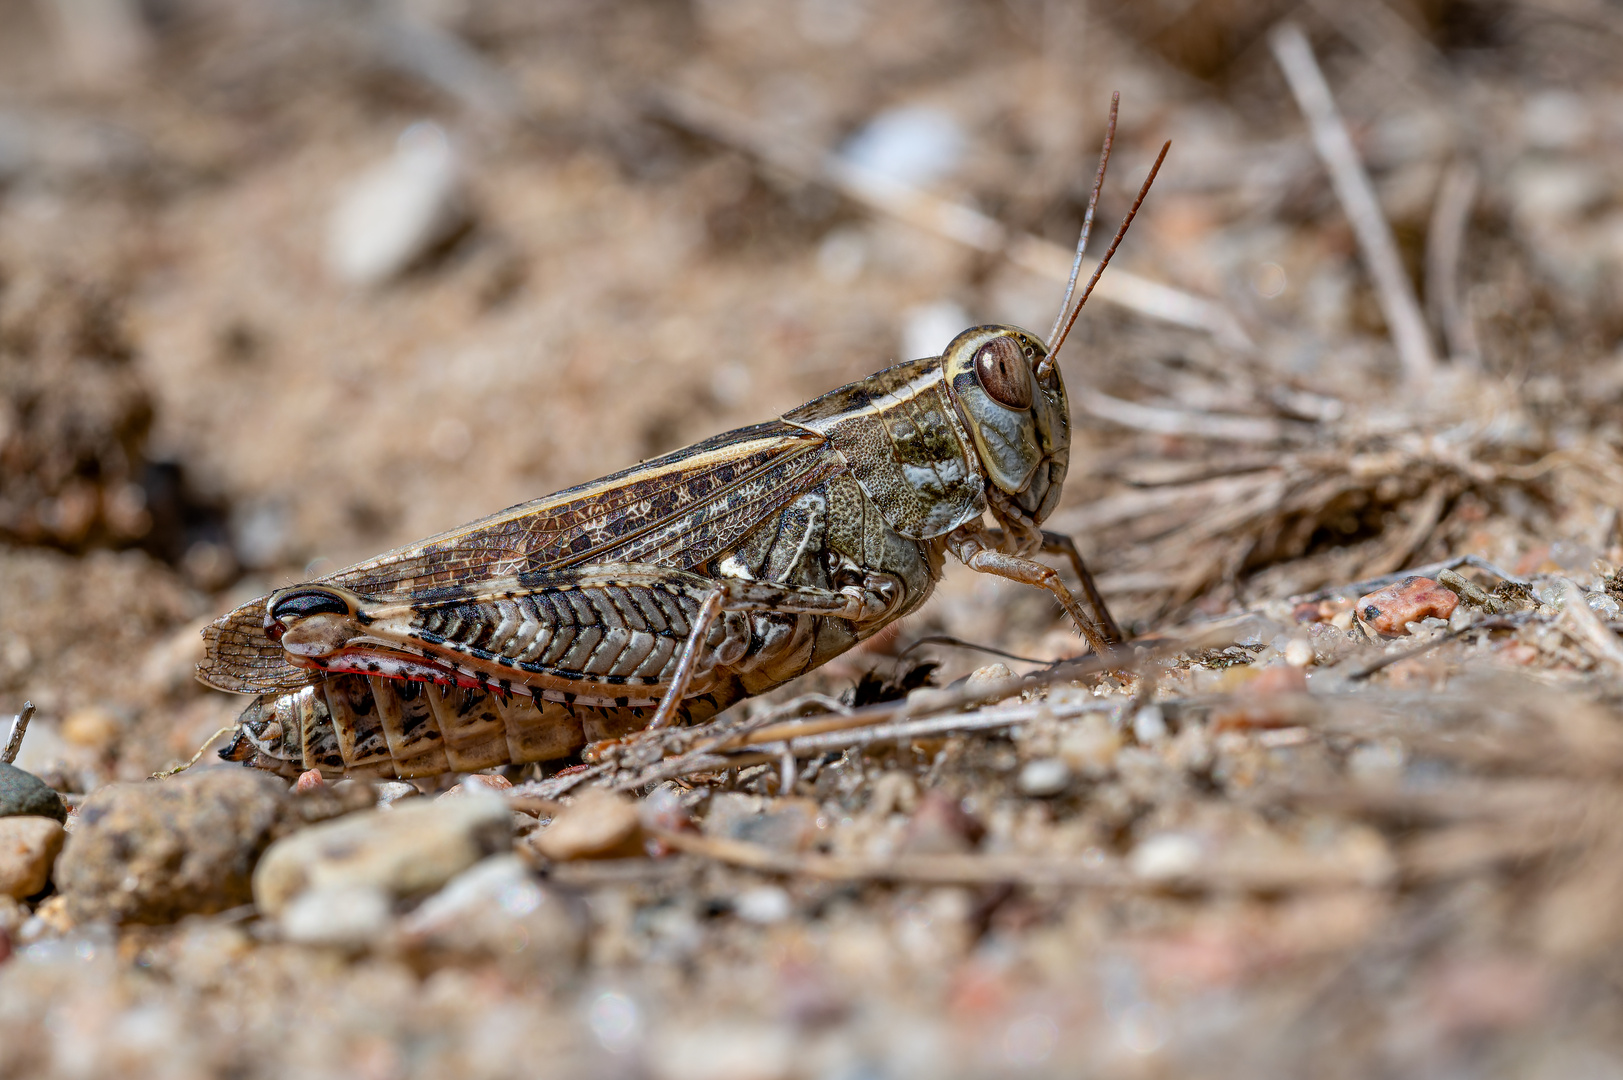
(1048,361)
(1087,218)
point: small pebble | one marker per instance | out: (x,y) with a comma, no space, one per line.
(764,905)
(1149,724)
(152,852)
(28,849)
(598,825)
(1045,777)
(912,144)
(782,824)
(405,851)
(392,791)
(13,913)
(26,795)
(1605,606)
(665,809)
(478,782)
(1167,855)
(1392,609)
(1299,652)
(342,916)
(989,679)
(393,215)
(1090,746)
(50,919)
(498,907)
(309,780)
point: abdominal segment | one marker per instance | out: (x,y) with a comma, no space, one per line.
(372,727)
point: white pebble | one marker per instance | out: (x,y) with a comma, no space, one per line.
(915,145)
(765,904)
(497,907)
(1556,120)
(393,214)
(343,917)
(1044,777)
(1149,724)
(1604,606)
(1299,652)
(392,791)
(1168,855)
(1090,746)
(988,678)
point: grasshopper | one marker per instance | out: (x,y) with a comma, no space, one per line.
(671,590)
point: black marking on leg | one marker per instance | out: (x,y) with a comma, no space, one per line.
(310,602)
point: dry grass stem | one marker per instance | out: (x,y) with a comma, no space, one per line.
(1445,246)
(1352,186)
(953,221)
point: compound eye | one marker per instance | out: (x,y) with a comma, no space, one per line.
(1004,373)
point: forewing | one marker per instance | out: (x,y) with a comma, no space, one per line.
(679,510)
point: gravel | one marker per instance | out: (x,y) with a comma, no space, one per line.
(24,794)
(154,852)
(405,851)
(28,848)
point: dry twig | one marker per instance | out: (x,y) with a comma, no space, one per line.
(1164,421)
(954,221)
(1219,874)
(19,728)
(1352,186)
(1445,243)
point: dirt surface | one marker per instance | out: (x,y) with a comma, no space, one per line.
(1288,836)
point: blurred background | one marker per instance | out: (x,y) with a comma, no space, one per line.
(284,284)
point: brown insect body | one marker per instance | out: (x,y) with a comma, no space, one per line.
(673,589)
(855,495)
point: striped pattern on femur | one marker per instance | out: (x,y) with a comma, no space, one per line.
(615,631)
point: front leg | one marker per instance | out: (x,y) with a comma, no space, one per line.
(975,548)
(1059,544)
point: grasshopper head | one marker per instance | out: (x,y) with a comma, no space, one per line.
(1019,419)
